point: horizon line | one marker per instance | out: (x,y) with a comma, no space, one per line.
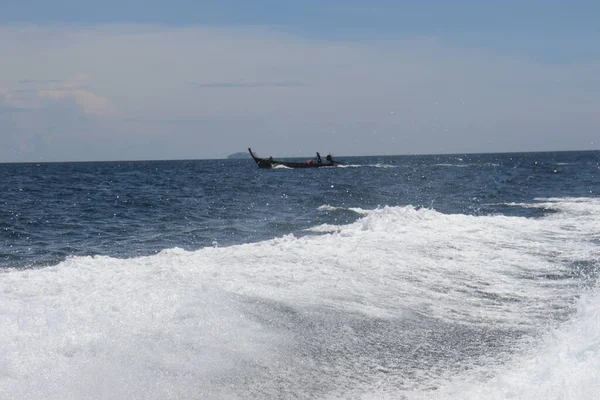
(250,158)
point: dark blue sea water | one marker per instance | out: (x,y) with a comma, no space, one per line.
(453,276)
(54,210)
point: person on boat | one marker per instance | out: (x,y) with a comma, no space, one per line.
(319,158)
(271,159)
(329,158)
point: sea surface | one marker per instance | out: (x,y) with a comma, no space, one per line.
(400,277)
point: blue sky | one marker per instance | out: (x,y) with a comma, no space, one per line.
(135,79)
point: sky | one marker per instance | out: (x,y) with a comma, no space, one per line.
(179,79)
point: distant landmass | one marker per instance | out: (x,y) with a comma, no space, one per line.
(241,154)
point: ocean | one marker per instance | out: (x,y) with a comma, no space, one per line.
(400,277)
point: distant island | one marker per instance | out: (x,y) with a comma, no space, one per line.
(241,154)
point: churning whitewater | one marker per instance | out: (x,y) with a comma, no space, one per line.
(333,297)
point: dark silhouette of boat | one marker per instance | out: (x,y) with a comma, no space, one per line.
(271,163)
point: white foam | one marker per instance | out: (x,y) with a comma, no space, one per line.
(452,165)
(565,365)
(178,325)
(378,165)
(107,328)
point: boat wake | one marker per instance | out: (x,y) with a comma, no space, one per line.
(402,303)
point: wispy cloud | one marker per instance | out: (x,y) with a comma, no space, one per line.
(71,89)
(183,121)
(44,81)
(24,91)
(227,85)
(89,102)
(5,109)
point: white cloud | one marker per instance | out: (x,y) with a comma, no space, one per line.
(89,102)
(282,94)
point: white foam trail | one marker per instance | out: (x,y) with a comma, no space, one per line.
(458,254)
(203,324)
(378,165)
(452,165)
(327,207)
(465,165)
(566,365)
(350,166)
(107,328)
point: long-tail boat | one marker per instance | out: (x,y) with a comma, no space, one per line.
(271,163)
